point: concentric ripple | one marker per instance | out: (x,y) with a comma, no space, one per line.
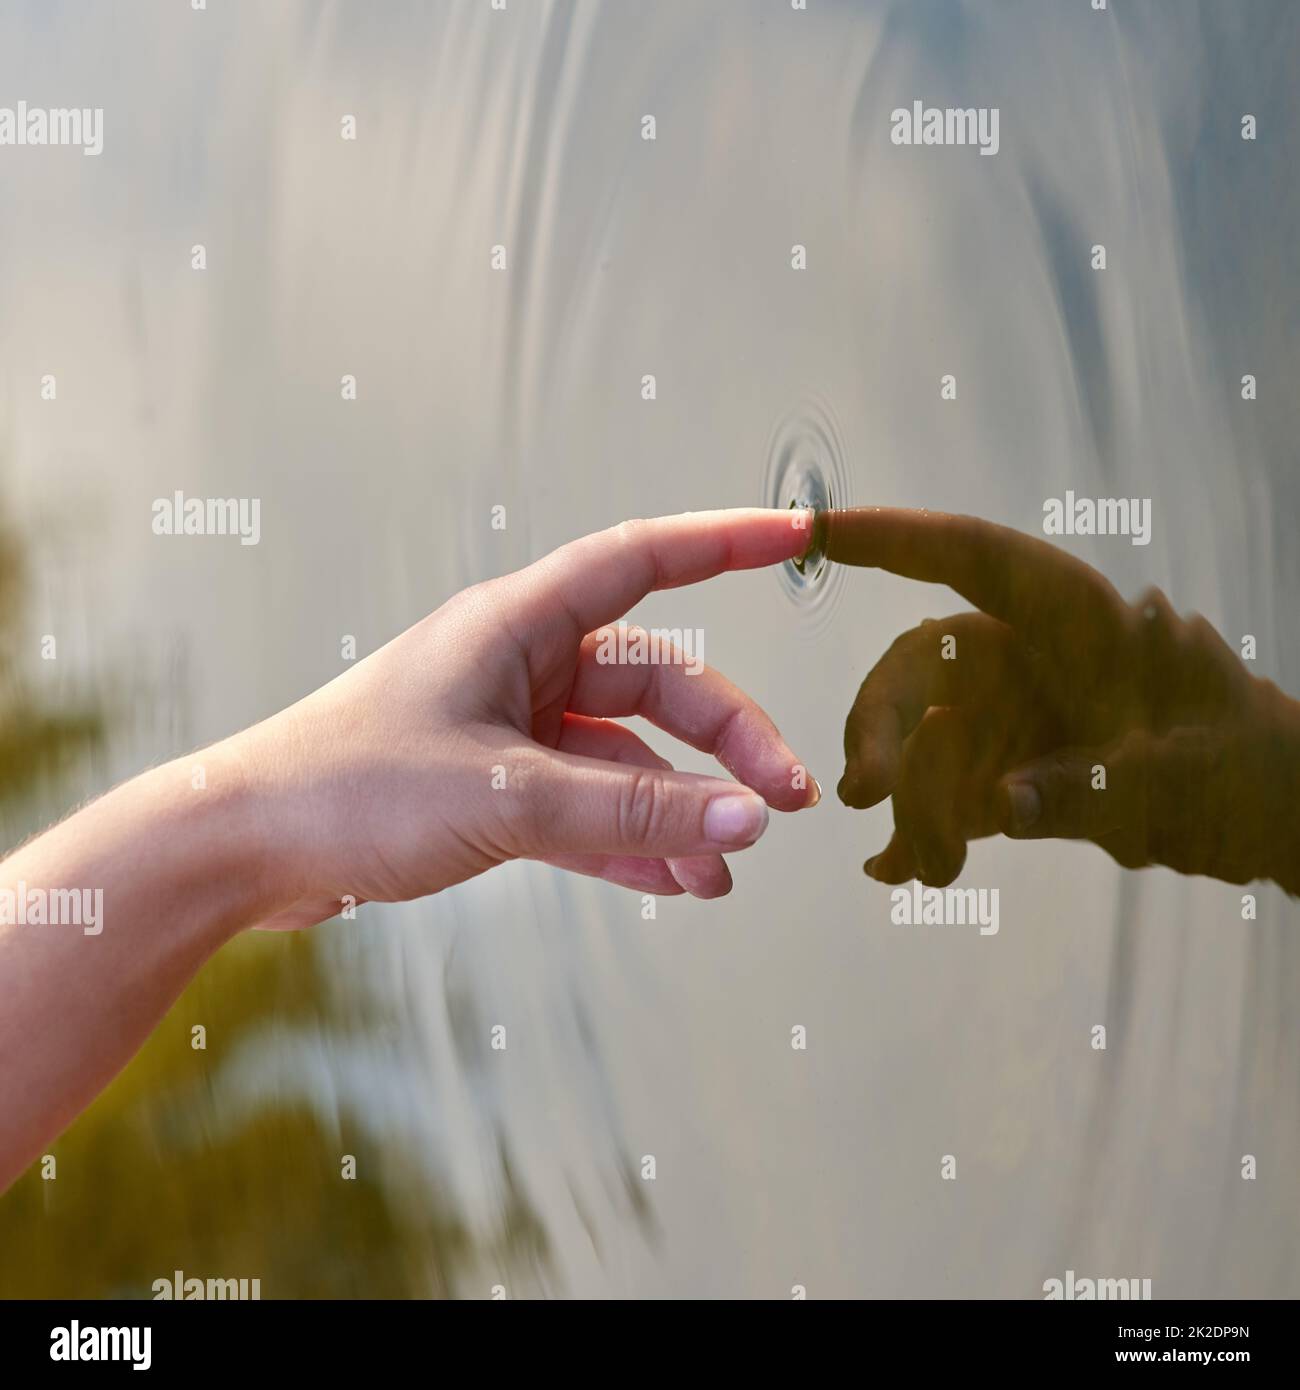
(805,468)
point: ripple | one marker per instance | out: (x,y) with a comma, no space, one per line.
(805,468)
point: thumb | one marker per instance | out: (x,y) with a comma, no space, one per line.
(1075,793)
(568,804)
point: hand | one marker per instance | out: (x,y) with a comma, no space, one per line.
(485,733)
(482,734)
(1056,683)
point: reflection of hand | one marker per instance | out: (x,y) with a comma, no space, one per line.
(483,734)
(1006,727)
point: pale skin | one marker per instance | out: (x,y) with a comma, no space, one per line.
(484,733)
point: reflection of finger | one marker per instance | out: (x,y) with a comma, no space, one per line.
(1176,799)
(597,578)
(921,669)
(1185,669)
(1020,579)
(929,801)
(703,709)
(894,863)
(706,876)
(1078,793)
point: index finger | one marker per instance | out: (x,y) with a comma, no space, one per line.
(596,579)
(1021,580)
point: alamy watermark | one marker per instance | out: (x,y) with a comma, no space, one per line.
(179,515)
(53,907)
(657,646)
(1098,516)
(77,1343)
(917,906)
(192,1289)
(1072,1288)
(949,125)
(37,125)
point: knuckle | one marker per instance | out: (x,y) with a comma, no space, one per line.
(629,533)
(905,643)
(641,808)
(1061,770)
(635,538)
(470,600)
(1219,674)
(1159,642)
(1183,664)
(1060,777)
(1156,618)
(517,819)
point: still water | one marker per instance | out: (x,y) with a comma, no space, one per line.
(524,388)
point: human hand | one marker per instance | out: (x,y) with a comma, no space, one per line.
(485,733)
(1055,678)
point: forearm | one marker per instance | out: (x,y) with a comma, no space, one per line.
(164,874)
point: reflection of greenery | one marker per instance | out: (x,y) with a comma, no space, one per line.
(152,1179)
(159,1175)
(32,742)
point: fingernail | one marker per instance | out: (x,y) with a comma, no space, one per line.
(814,794)
(735,820)
(1025,804)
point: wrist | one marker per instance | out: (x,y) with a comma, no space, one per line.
(1281,792)
(227,824)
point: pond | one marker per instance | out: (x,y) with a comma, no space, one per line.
(423,281)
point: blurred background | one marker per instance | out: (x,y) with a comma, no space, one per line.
(522,388)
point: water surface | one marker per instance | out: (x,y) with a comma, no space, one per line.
(523,388)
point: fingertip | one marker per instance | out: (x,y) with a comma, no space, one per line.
(861,792)
(718,890)
(646,876)
(1019,808)
(704,876)
(850,793)
(798,793)
(938,865)
(780,795)
(735,820)
(893,865)
(868,778)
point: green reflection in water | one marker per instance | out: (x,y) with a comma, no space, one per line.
(34,743)
(159,1175)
